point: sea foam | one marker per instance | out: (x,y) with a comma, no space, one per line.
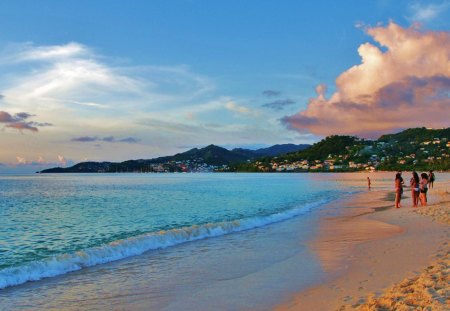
(120,249)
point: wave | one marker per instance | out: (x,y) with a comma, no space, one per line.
(64,263)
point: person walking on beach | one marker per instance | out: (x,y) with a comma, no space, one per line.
(423,189)
(368,182)
(431,178)
(414,182)
(398,189)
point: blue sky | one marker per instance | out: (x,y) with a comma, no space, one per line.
(114,80)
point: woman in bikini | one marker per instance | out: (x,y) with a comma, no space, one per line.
(414,182)
(423,189)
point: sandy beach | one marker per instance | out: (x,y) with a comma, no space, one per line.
(382,258)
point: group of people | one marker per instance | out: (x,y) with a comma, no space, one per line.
(419,187)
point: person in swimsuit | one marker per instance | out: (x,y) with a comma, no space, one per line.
(414,182)
(398,189)
(431,179)
(423,189)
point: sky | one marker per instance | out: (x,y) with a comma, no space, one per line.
(117,80)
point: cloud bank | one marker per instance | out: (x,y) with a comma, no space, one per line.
(404,82)
(40,162)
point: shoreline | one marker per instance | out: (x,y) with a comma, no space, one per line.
(371,246)
(258,269)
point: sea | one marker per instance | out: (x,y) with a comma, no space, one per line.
(197,241)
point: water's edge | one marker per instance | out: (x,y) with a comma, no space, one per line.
(133,246)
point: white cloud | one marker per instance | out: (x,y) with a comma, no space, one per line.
(70,50)
(427,12)
(67,77)
(21,160)
(236,108)
(241,110)
(62,160)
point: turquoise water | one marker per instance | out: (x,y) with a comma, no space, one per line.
(54,224)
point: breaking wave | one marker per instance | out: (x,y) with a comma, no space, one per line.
(120,249)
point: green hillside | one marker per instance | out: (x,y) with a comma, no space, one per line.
(411,149)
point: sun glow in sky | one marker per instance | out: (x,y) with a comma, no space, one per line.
(116,80)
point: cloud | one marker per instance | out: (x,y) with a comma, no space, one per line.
(427,12)
(271,93)
(29,52)
(27,165)
(407,85)
(232,106)
(279,104)
(39,162)
(62,160)
(84,139)
(22,126)
(130,140)
(109,139)
(5,117)
(18,121)
(21,160)
(73,78)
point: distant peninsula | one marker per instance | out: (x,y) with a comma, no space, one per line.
(208,159)
(418,149)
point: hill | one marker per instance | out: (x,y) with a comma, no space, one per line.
(271,151)
(277,150)
(411,149)
(209,158)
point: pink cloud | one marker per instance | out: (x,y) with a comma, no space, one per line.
(39,162)
(22,126)
(18,121)
(407,85)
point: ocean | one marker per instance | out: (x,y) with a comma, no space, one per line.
(159,241)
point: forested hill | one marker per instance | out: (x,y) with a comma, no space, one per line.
(334,144)
(411,149)
(419,134)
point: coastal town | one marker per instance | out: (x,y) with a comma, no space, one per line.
(363,155)
(374,156)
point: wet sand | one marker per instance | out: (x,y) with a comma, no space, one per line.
(382,258)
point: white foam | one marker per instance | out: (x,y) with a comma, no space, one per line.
(133,246)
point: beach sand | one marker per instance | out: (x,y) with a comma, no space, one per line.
(382,258)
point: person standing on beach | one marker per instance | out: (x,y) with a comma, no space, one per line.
(414,182)
(423,189)
(368,182)
(431,178)
(398,189)
(401,178)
